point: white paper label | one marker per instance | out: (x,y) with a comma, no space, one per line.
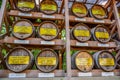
(48,16)
(46,75)
(80,19)
(99,21)
(81,44)
(21,41)
(103,45)
(48,42)
(85,74)
(107,73)
(17,75)
(24,14)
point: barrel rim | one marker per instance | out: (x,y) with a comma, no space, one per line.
(25,21)
(107,31)
(22,10)
(76,27)
(90,56)
(57,60)
(45,12)
(106,12)
(7,56)
(100,52)
(51,23)
(83,5)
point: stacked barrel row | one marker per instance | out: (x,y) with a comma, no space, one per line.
(50,7)
(49,30)
(20,59)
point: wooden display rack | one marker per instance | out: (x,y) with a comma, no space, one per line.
(58,44)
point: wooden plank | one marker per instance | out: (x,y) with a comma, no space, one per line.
(90,20)
(2,10)
(68,57)
(35,15)
(116,16)
(93,44)
(95,73)
(34,41)
(30,74)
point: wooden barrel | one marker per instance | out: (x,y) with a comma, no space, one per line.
(79,9)
(47,60)
(23,29)
(101,34)
(118,62)
(98,12)
(105,60)
(48,6)
(19,59)
(83,61)
(25,5)
(81,32)
(48,30)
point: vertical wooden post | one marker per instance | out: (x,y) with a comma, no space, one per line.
(116,17)
(68,56)
(2,10)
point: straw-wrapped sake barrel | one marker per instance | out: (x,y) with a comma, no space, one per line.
(48,30)
(105,60)
(98,12)
(101,34)
(47,60)
(25,5)
(81,32)
(23,29)
(83,61)
(48,6)
(79,9)
(19,59)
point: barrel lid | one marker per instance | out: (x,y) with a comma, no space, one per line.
(25,5)
(22,29)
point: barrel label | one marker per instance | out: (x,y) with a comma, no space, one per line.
(23,29)
(48,16)
(48,42)
(44,75)
(81,44)
(48,7)
(106,61)
(48,31)
(84,61)
(24,14)
(102,35)
(79,10)
(103,45)
(80,19)
(99,21)
(84,74)
(17,75)
(50,61)
(18,60)
(25,4)
(108,74)
(83,33)
(21,41)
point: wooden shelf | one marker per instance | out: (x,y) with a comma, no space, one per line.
(92,45)
(90,20)
(95,73)
(35,15)
(31,74)
(35,43)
